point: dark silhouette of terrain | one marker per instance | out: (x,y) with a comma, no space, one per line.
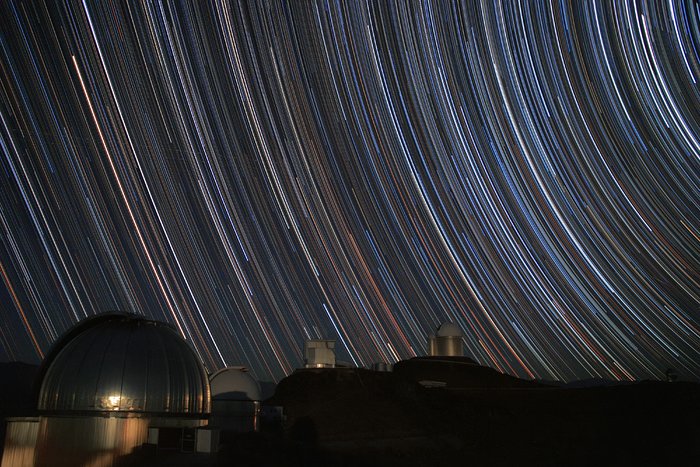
(16,387)
(482,417)
(439,411)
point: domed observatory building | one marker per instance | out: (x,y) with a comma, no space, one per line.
(447,342)
(109,379)
(235,399)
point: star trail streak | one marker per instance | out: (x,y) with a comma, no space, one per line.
(261,173)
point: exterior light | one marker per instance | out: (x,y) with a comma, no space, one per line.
(114,402)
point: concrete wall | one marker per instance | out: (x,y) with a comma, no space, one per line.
(94,441)
(20,442)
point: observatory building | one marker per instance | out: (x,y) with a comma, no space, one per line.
(104,388)
(319,353)
(447,342)
(236,401)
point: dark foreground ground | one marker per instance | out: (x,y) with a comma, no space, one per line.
(355,417)
(358,417)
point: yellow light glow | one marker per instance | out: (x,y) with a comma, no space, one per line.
(114,402)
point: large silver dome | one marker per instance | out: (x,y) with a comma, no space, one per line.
(123,363)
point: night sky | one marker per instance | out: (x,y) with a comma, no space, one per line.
(261,173)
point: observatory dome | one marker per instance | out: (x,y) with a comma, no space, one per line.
(234,383)
(448,330)
(126,363)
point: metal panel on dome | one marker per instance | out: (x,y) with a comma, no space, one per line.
(125,364)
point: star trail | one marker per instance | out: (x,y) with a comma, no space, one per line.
(262,173)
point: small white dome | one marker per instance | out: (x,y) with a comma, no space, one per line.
(448,330)
(234,383)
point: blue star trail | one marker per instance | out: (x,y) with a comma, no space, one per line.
(262,173)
